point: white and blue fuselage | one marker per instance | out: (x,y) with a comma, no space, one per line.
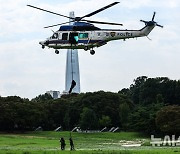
(88,39)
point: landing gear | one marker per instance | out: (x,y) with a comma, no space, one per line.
(43,46)
(57,51)
(86,48)
(92,52)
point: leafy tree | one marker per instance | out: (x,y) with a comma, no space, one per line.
(135,89)
(105,121)
(168,119)
(131,108)
(42,98)
(142,119)
(145,90)
(124,111)
(88,119)
(67,120)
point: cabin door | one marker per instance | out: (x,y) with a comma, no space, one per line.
(73,38)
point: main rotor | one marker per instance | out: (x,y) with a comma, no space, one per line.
(78,19)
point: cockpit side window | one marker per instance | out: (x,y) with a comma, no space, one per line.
(64,36)
(83,35)
(55,36)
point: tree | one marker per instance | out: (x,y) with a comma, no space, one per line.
(145,90)
(67,120)
(132,108)
(143,118)
(168,119)
(124,111)
(88,119)
(136,88)
(105,121)
(42,98)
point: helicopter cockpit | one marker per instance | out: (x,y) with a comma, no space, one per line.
(54,36)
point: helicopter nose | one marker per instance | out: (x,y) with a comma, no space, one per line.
(42,42)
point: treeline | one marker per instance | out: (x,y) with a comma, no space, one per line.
(150,105)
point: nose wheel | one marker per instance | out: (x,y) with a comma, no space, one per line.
(92,52)
(57,51)
(86,48)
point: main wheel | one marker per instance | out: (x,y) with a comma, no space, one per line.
(56,51)
(92,52)
(43,46)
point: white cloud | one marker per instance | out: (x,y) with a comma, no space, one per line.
(132,4)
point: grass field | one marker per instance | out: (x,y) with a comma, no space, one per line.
(85,143)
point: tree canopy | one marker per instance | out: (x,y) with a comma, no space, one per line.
(144,107)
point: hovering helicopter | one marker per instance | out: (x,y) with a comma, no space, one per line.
(84,35)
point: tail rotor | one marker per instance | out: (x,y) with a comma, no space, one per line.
(152,22)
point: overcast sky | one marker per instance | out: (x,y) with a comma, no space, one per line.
(27,70)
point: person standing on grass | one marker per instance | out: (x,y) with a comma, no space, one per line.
(71,144)
(63,144)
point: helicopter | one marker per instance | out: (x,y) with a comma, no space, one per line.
(82,34)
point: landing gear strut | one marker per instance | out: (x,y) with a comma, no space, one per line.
(86,48)
(56,51)
(92,52)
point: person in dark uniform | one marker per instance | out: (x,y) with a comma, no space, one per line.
(71,144)
(63,144)
(73,84)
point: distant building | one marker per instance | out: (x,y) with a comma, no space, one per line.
(54,94)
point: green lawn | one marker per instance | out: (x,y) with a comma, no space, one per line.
(85,143)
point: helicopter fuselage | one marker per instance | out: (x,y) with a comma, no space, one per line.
(88,39)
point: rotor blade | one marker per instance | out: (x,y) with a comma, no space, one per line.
(153,16)
(50,11)
(143,21)
(97,11)
(58,24)
(159,25)
(100,22)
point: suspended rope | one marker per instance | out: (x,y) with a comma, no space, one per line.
(73,83)
(72,63)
